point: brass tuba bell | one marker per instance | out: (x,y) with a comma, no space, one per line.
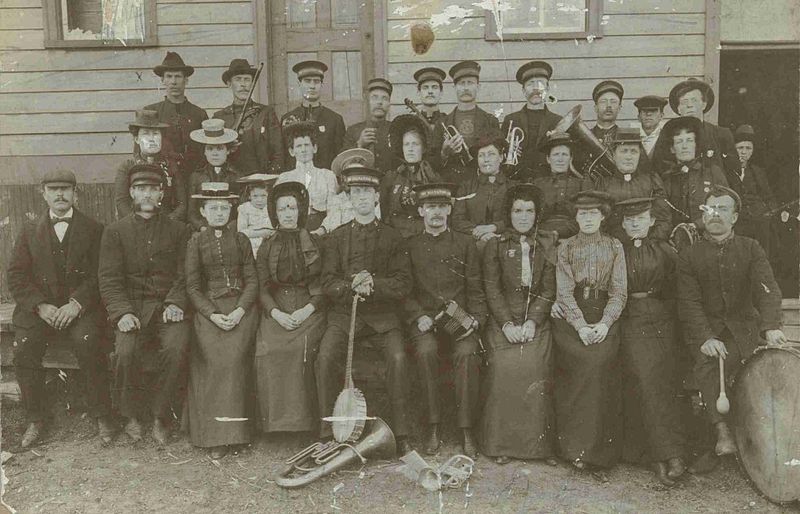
(602,164)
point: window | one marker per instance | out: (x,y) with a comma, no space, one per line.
(543,19)
(98,23)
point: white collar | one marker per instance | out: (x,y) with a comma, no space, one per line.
(68,214)
(305,167)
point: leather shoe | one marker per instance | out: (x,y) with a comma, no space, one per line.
(469,447)
(706,463)
(676,467)
(403,446)
(134,429)
(106,429)
(160,432)
(218,452)
(660,469)
(32,434)
(725,443)
(432,444)
(550,461)
(502,460)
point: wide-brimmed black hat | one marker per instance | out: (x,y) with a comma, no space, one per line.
(295,189)
(687,85)
(173,62)
(238,67)
(402,124)
(744,133)
(689,123)
(146,119)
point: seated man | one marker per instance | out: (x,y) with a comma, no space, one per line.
(52,276)
(143,287)
(727,300)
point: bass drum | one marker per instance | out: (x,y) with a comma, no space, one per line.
(767,420)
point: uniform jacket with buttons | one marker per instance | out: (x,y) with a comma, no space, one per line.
(532,162)
(183,118)
(479,201)
(330,135)
(175,186)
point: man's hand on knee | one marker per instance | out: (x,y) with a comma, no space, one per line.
(172,313)
(128,322)
(714,348)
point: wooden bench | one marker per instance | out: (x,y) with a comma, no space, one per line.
(58,356)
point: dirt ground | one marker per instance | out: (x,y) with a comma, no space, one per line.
(71,471)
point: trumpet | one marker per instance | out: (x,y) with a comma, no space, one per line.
(449,133)
(514,138)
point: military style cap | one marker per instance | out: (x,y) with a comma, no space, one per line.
(215,191)
(435,192)
(145,174)
(634,206)
(687,85)
(592,199)
(556,139)
(606,86)
(426,74)
(238,67)
(688,123)
(650,102)
(627,135)
(310,69)
(214,133)
(352,158)
(173,62)
(59,178)
(465,69)
(718,190)
(146,119)
(361,176)
(380,83)
(533,69)
(744,133)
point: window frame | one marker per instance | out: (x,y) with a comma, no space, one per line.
(593,27)
(54,38)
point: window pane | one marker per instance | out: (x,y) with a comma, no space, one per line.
(544,16)
(293,58)
(346,75)
(345,12)
(102,19)
(302,14)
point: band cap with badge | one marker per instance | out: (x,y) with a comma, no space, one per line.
(380,83)
(608,86)
(465,69)
(145,174)
(361,176)
(534,69)
(436,192)
(310,69)
(352,158)
(431,73)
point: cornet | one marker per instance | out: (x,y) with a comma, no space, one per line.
(514,138)
(449,133)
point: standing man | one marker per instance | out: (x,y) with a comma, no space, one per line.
(446,267)
(373,134)
(607,96)
(368,259)
(694,98)
(470,121)
(261,148)
(182,115)
(535,119)
(330,124)
(148,136)
(143,287)
(727,300)
(52,276)
(651,118)
(429,88)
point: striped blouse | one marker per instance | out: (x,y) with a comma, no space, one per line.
(593,260)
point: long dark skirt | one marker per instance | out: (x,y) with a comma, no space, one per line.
(518,419)
(651,421)
(287,390)
(587,391)
(218,378)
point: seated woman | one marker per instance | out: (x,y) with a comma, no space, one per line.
(293,321)
(222,285)
(635,180)
(591,293)
(520,280)
(408,137)
(559,185)
(253,219)
(478,210)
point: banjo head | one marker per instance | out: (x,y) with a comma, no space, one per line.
(351,405)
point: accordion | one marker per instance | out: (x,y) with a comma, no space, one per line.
(454,321)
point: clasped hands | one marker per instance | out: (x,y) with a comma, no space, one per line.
(520,334)
(229,321)
(363,284)
(58,317)
(590,334)
(294,320)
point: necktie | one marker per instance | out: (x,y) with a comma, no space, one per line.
(525,276)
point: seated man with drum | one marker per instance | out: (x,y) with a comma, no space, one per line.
(447,304)
(727,300)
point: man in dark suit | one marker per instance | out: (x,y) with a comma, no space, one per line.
(429,87)
(261,148)
(607,96)
(373,134)
(142,284)
(53,279)
(535,119)
(368,259)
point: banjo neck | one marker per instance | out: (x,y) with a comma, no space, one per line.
(350,343)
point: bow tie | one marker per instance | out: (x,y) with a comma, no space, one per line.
(65,219)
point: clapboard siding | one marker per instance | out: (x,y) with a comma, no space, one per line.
(92,168)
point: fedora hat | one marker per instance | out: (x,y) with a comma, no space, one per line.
(146,119)
(173,62)
(214,133)
(238,67)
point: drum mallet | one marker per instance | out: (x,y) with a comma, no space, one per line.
(723,405)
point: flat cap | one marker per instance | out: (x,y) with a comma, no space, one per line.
(59,178)
(650,102)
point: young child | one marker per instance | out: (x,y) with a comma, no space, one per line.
(253,219)
(320,183)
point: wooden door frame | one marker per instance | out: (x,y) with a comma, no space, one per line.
(262,16)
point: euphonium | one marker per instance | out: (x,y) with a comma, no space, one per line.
(320,459)
(514,138)
(449,133)
(600,166)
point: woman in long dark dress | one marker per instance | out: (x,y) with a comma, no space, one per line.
(519,273)
(293,320)
(591,293)
(222,285)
